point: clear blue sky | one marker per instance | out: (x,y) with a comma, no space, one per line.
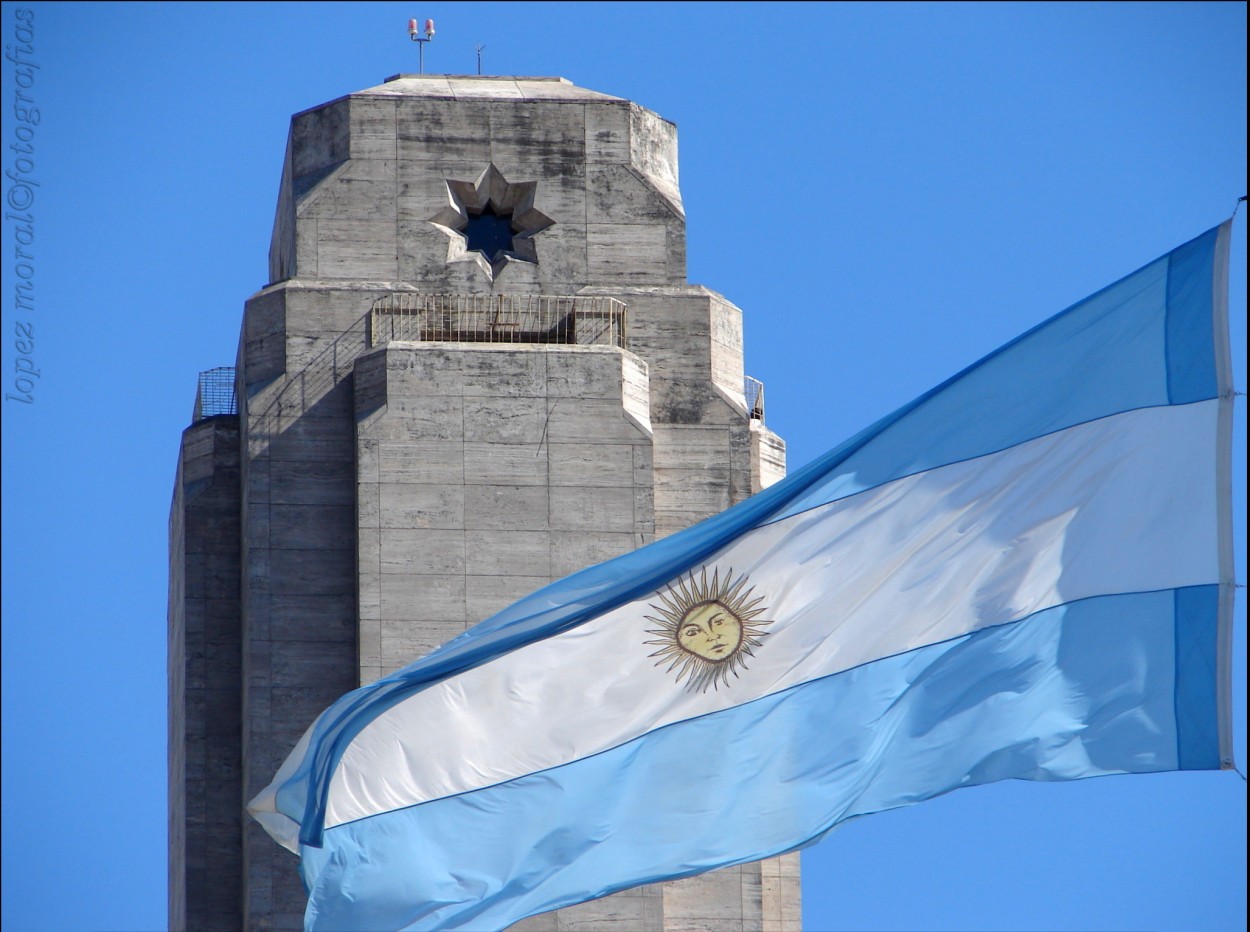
(931,180)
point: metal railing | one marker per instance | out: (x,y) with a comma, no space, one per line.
(753,389)
(501,318)
(214,394)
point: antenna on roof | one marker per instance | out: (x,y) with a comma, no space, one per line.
(415,36)
(479,57)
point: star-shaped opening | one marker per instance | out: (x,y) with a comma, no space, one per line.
(491,221)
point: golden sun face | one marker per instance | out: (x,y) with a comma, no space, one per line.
(707,629)
(710,630)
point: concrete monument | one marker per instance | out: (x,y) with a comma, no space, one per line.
(478,367)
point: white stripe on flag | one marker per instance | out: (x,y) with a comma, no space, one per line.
(1116,505)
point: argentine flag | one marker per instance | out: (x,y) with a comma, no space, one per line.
(1026,573)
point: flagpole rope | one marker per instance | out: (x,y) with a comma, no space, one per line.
(1237,206)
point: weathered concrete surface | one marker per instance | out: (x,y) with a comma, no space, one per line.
(205,863)
(485,472)
(363,176)
(298,557)
(391,495)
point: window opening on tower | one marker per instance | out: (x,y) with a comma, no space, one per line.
(489,233)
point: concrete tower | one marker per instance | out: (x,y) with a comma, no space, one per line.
(478,368)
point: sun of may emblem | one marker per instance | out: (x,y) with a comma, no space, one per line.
(707,629)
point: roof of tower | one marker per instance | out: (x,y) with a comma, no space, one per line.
(494,87)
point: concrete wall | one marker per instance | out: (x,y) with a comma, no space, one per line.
(485,472)
(298,639)
(365,174)
(205,791)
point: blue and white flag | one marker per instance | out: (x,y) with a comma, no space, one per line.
(1025,573)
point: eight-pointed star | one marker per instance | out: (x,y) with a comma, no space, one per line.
(491,221)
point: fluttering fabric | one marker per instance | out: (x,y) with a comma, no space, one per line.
(1026,573)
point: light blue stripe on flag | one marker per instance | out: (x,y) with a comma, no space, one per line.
(1080,690)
